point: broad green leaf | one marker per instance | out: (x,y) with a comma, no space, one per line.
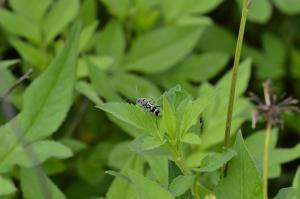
(7,187)
(215,113)
(219,39)
(148,189)
(173,9)
(296,182)
(201,67)
(181,184)
(159,168)
(132,114)
(46,102)
(243,181)
(35,184)
(119,155)
(289,7)
(34,12)
(74,144)
(19,26)
(169,118)
(215,161)
(30,53)
(286,193)
(133,86)
(260,11)
(278,156)
(88,11)
(191,138)
(121,188)
(59,17)
(86,89)
(86,35)
(146,145)
(7,63)
(154,52)
(118,8)
(36,153)
(111,42)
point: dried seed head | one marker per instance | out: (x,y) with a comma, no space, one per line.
(270,108)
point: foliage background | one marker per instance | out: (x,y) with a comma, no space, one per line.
(132,48)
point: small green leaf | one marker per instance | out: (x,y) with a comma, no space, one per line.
(118,8)
(119,175)
(191,138)
(7,186)
(159,167)
(133,115)
(286,193)
(181,184)
(59,17)
(87,34)
(215,161)
(111,42)
(86,89)
(34,12)
(35,184)
(243,180)
(7,63)
(289,7)
(154,51)
(169,118)
(148,189)
(73,144)
(19,25)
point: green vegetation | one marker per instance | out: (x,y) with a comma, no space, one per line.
(71,72)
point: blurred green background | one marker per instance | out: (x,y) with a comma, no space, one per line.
(139,48)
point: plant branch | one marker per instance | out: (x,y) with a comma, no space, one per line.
(266,160)
(235,72)
(16,84)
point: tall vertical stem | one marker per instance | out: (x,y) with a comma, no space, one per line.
(235,72)
(266,160)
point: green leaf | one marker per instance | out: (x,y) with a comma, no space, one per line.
(148,189)
(133,115)
(30,53)
(35,184)
(149,54)
(119,175)
(219,39)
(73,144)
(191,138)
(243,181)
(88,11)
(215,113)
(7,186)
(286,193)
(147,145)
(199,67)
(260,11)
(59,17)
(87,34)
(86,89)
(19,26)
(34,12)
(181,184)
(46,102)
(173,9)
(296,182)
(118,8)
(159,167)
(169,118)
(278,156)
(215,161)
(111,42)
(121,188)
(7,63)
(40,150)
(289,7)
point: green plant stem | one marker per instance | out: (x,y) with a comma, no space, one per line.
(235,73)
(266,160)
